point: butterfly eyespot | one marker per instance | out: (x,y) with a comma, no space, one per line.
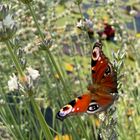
(101,94)
(93,108)
(108,70)
(95,54)
(65,111)
(65,108)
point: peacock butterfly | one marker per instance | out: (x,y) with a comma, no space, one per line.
(99,95)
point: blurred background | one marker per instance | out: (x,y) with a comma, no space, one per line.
(45,54)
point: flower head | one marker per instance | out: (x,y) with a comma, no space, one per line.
(13,83)
(86,25)
(34,74)
(4,9)
(133,12)
(8,21)
(80,23)
(110,1)
(7,24)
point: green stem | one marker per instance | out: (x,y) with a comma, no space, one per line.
(82,17)
(134,25)
(9,119)
(80,11)
(14,58)
(43,124)
(35,20)
(41,119)
(134,22)
(47,48)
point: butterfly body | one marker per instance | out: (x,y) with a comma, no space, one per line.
(99,95)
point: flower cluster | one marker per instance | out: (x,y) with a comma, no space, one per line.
(16,83)
(87,25)
(7,24)
(103,29)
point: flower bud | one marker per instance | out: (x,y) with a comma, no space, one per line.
(3,11)
(7,24)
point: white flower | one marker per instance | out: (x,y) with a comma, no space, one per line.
(80,24)
(115,38)
(121,27)
(12,126)
(102,116)
(88,23)
(53,85)
(110,1)
(13,83)
(112,22)
(8,21)
(34,74)
(2,102)
(133,12)
(77,82)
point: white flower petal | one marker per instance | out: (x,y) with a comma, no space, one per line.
(34,74)
(110,1)
(13,83)
(133,12)
(8,20)
(80,23)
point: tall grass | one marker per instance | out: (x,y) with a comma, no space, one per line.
(46,39)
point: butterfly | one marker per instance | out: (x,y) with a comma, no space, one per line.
(99,95)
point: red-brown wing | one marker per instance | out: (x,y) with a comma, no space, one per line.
(103,74)
(76,106)
(86,103)
(104,82)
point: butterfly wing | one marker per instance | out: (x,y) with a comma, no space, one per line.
(87,103)
(103,74)
(78,105)
(104,83)
(104,78)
